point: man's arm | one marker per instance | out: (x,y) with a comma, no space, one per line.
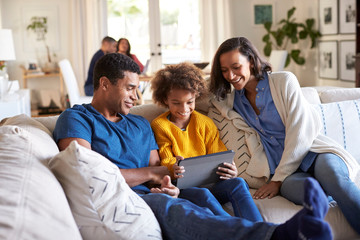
(152,174)
(133,177)
(65,142)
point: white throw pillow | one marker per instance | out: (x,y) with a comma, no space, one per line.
(103,205)
(33,204)
(234,139)
(341,122)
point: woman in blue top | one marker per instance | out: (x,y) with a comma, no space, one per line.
(282,127)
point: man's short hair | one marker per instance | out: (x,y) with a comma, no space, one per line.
(113,66)
(108,39)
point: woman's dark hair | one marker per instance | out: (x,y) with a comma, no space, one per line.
(218,84)
(129,49)
(112,66)
(178,76)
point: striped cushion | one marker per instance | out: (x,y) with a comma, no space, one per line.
(341,122)
(234,139)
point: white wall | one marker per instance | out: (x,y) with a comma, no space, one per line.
(0,14)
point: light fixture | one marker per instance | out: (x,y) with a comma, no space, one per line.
(7,53)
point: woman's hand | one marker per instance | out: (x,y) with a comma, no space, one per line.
(269,190)
(167,188)
(228,171)
(178,170)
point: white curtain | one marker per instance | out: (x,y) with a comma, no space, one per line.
(88,27)
(216,25)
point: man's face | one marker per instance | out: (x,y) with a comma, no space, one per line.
(110,47)
(123,95)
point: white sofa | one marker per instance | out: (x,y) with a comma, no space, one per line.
(34,205)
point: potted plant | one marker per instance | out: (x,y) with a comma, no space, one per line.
(289,31)
(40,27)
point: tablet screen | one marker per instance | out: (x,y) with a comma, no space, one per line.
(201,170)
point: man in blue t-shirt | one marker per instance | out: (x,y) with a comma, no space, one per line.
(106,127)
(108,45)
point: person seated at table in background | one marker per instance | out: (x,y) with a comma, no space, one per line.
(183,132)
(124,47)
(108,45)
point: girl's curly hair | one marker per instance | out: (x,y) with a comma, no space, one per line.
(178,76)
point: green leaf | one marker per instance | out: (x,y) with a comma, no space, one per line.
(266,38)
(291,12)
(267,49)
(288,60)
(295,55)
(267,26)
(303,34)
(294,39)
(310,23)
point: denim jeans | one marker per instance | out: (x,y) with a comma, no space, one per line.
(233,190)
(182,219)
(236,191)
(333,176)
(203,198)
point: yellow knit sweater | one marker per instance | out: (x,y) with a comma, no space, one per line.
(200,137)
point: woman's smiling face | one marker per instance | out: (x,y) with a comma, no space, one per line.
(235,68)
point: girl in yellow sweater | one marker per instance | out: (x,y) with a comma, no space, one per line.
(183,132)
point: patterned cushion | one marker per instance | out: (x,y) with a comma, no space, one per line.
(103,205)
(341,122)
(234,139)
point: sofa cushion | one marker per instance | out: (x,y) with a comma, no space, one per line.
(148,111)
(49,122)
(234,139)
(33,204)
(341,122)
(339,94)
(103,205)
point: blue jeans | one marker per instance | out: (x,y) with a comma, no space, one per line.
(233,190)
(333,176)
(203,198)
(236,191)
(181,219)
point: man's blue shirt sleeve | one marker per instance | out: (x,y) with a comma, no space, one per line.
(73,124)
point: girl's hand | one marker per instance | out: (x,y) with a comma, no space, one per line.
(228,171)
(178,170)
(269,190)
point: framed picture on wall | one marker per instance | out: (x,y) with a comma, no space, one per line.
(262,12)
(328,59)
(347,60)
(347,16)
(328,17)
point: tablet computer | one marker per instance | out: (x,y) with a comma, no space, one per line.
(201,171)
